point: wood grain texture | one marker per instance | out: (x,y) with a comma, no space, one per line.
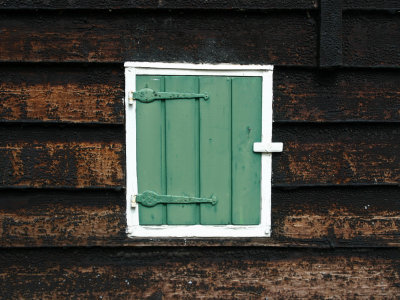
(336,96)
(92,94)
(199,273)
(337,154)
(371,39)
(74,94)
(211,36)
(36,157)
(155,4)
(159,36)
(192,4)
(310,217)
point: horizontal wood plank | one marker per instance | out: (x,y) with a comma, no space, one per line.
(93,94)
(337,154)
(336,96)
(371,4)
(75,94)
(286,38)
(154,4)
(371,39)
(159,36)
(59,157)
(309,217)
(162,273)
(191,4)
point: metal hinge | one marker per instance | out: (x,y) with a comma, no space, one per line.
(147,95)
(150,199)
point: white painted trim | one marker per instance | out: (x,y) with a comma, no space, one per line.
(198,231)
(268,147)
(185,66)
(141,68)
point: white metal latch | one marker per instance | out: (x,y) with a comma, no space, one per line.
(267,147)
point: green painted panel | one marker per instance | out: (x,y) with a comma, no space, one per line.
(182,149)
(246,165)
(150,143)
(215,149)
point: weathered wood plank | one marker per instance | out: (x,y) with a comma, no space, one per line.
(310,217)
(92,94)
(159,36)
(199,273)
(155,4)
(60,157)
(76,94)
(94,156)
(192,4)
(56,218)
(336,96)
(371,39)
(371,4)
(212,36)
(337,154)
(339,216)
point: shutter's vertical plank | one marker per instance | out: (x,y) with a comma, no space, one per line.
(182,149)
(215,149)
(246,165)
(150,127)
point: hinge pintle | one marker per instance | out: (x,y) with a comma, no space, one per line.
(133,201)
(130,98)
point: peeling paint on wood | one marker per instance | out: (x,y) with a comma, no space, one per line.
(336,96)
(199,273)
(148,36)
(62,164)
(312,217)
(337,154)
(33,156)
(76,94)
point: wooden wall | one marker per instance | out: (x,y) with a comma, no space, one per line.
(335,201)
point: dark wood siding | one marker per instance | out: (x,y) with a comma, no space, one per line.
(335,198)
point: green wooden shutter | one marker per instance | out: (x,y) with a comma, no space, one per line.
(202,149)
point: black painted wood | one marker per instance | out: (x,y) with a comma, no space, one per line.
(317,217)
(198,273)
(192,4)
(330,49)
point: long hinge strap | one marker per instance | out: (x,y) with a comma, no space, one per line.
(150,199)
(147,95)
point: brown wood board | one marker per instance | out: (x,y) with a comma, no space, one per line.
(336,96)
(321,217)
(370,39)
(233,37)
(33,156)
(199,273)
(336,154)
(94,156)
(70,93)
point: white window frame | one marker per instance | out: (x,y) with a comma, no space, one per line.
(134,229)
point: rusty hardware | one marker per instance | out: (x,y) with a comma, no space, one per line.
(150,199)
(147,95)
